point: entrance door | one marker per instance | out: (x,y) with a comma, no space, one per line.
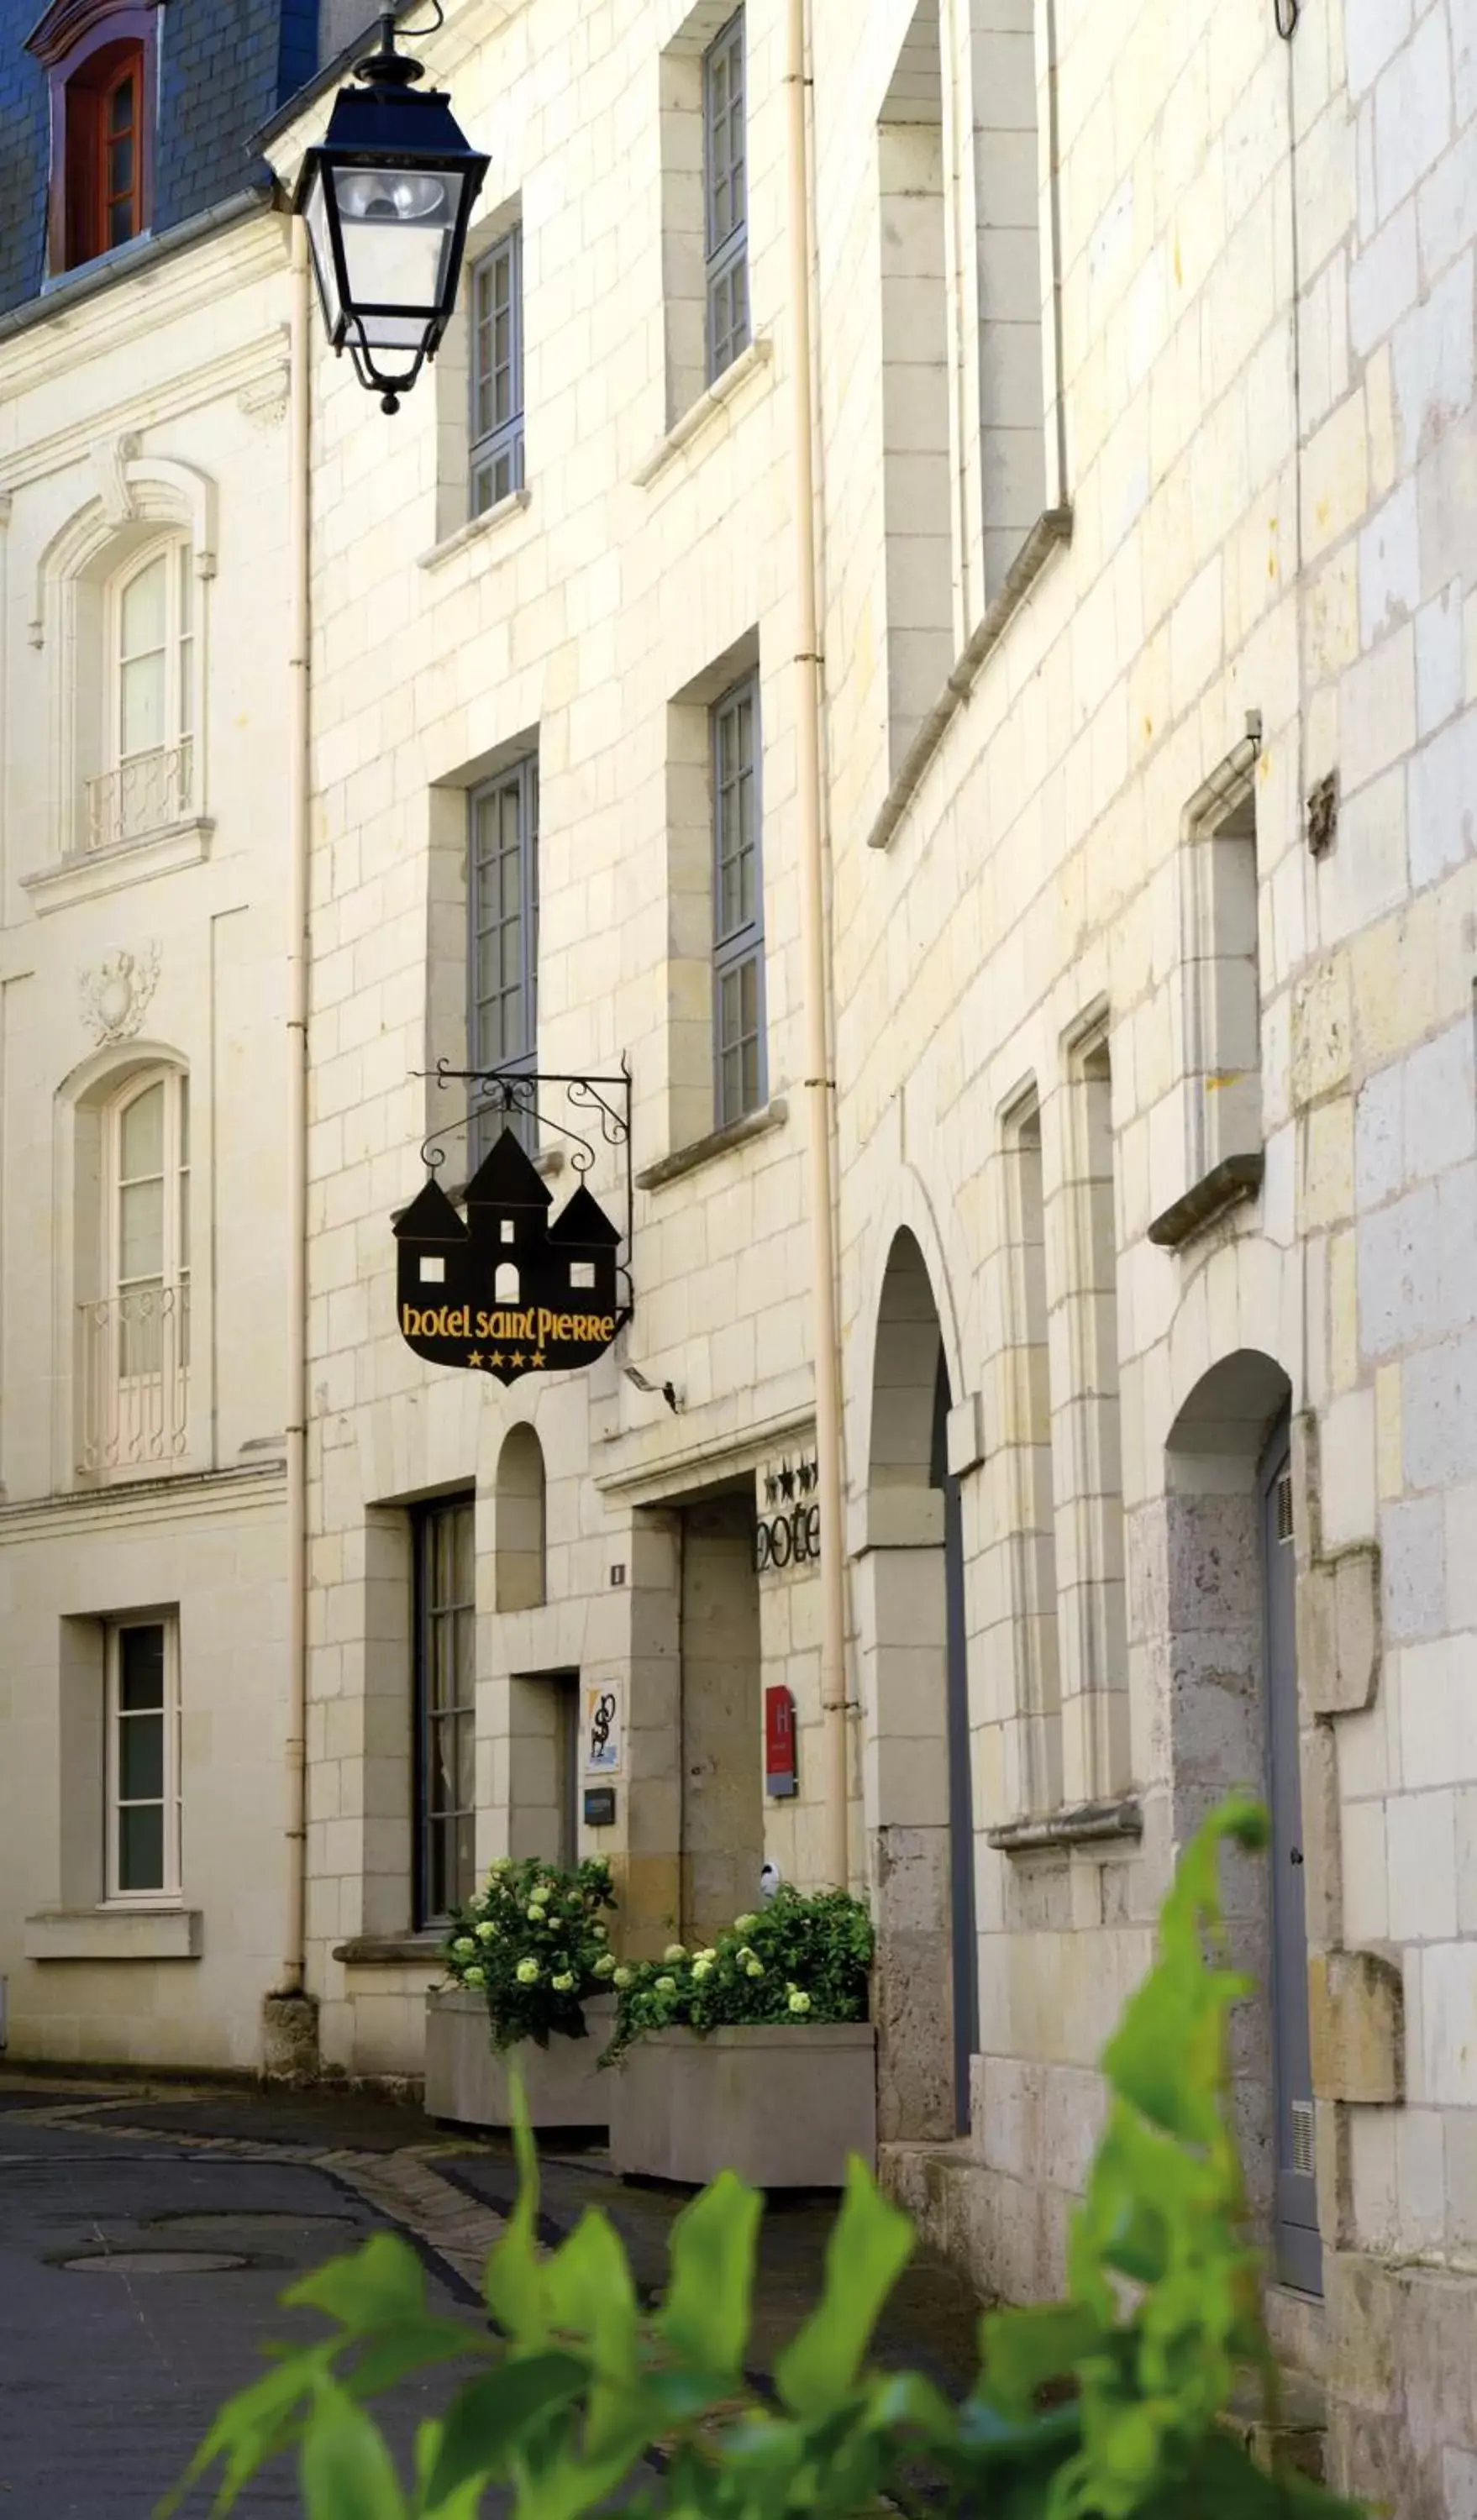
(1299,2258)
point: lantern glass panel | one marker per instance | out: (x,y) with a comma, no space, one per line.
(324,267)
(397,229)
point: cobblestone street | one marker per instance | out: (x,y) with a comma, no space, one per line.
(146,2234)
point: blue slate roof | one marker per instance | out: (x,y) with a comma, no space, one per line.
(225,67)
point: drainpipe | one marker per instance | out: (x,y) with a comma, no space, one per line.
(294,1748)
(819,1084)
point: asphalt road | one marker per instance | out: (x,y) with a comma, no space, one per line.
(109,2375)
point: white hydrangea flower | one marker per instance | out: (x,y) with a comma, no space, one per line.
(537,1915)
(488,1933)
(675,1952)
(474,1977)
(667,1986)
(623,1976)
(564,1984)
(606,1964)
(465,1947)
(799,2003)
(744,1925)
(528,1972)
(755,1968)
(702,1969)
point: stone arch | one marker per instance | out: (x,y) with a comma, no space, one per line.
(910,1584)
(520,1530)
(907,1210)
(1215,1631)
(139,499)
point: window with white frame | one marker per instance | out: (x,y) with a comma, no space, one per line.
(149,779)
(725,163)
(496,372)
(136,1337)
(445,1699)
(143,1767)
(738,906)
(503,902)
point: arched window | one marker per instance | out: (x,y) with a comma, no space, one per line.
(136,1337)
(99,59)
(148,779)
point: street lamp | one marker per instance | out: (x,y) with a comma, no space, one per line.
(387,196)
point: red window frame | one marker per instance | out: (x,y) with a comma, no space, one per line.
(94,52)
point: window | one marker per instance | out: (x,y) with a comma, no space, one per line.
(503,906)
(917,489)
(1092,1615)
(1032,1473)
(101,98)
(136,1339)
(445,1680)
(737,907)
(149,780)
(725,188)
(143,1758)
(496,372)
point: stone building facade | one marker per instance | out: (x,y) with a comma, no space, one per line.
(1141,419)
(143,1104)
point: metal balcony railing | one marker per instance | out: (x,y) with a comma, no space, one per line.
(143,795)
(135,1375)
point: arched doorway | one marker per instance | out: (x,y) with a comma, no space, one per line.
(912,1583)
(1234,1721)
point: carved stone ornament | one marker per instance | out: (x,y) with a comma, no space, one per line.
(115,993)
(109,457)
(264,399)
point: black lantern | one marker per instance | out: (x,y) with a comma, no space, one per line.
(387,196)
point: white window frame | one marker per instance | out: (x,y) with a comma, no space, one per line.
(124,804)
(121,1429)
(174,1268)
(486,916)
(170,1892)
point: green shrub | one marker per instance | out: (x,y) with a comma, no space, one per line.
(533,1943)
(802,1959)
(1104,2406)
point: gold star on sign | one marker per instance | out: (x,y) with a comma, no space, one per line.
(496,1357)
(475,1357)
(516,1358)
(536,1360)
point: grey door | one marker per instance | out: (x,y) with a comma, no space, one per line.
(1299,2258)
(963,1955)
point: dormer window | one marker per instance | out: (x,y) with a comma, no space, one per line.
(99,59)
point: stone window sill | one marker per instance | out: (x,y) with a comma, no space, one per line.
(418,1950)
(1224,1187)
(89,873)
(114,1934)
(699,414)
(719,1141)
(475,530)
(1076,1825)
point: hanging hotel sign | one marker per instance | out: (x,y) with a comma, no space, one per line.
(508,1292)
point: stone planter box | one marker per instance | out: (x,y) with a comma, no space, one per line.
(466,2080)
(783,2107)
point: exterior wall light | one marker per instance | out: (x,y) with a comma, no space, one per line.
(387,196)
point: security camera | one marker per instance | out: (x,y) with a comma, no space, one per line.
(769,1878)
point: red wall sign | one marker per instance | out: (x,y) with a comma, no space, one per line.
(780,1743)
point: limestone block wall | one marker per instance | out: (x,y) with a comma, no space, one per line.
(155,406)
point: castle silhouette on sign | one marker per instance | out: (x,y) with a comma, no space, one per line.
(504,1291)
